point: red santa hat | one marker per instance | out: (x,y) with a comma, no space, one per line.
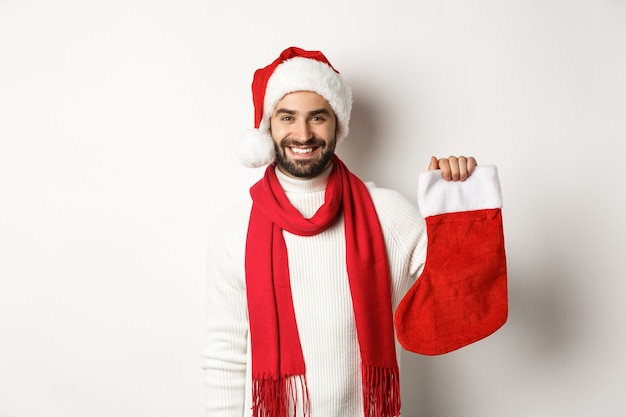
(294,70)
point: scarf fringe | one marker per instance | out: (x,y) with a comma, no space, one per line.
(381,391)
(274,396)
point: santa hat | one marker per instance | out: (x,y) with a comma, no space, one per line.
(294,70)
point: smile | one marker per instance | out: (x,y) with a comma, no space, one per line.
(301,151)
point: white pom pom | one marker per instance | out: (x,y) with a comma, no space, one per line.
(255,149)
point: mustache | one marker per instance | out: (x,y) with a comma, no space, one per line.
(288,142)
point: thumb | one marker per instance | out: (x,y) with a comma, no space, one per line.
(434,164)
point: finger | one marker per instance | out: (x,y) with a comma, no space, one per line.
(433,165)
(466,167)
(454,168)
(471,165)
(462,168)
(444,166)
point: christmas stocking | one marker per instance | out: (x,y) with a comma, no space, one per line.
(461,294)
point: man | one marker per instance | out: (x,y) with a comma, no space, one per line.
(305,276)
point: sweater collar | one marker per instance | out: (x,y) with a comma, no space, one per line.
(298,185)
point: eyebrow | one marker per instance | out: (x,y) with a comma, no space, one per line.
(311,113)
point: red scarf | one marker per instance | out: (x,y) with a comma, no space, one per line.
(278,368)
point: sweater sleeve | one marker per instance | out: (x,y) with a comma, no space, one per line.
(405,236)
(225,353)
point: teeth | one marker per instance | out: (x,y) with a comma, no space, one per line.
(302,150)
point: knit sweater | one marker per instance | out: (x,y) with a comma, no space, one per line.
(321,298)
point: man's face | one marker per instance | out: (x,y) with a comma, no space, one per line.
(304,129)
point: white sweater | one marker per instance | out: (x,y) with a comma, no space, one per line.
(321,297)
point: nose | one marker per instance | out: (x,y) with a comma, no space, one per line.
(303,131)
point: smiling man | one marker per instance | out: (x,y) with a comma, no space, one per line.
(305,276)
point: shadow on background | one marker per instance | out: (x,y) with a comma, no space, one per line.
(357,149)
(541,336)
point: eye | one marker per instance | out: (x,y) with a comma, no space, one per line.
(286,118)
(317,118)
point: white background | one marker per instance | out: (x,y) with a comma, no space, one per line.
(118,121)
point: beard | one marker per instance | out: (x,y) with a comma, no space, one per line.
(304,168)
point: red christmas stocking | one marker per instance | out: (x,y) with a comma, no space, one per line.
(461,295)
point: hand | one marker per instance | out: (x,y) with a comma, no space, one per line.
(453,168)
